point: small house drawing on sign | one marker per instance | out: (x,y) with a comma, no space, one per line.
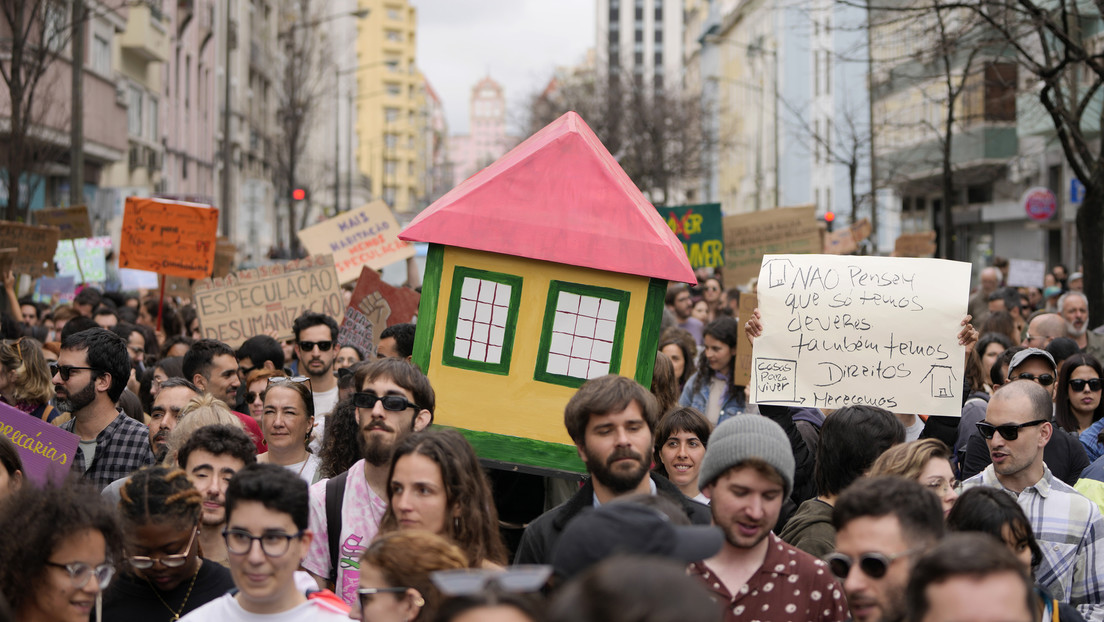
(544,270)
(942,381)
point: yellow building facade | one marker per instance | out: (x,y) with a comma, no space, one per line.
(390,104)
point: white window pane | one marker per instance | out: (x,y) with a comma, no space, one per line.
(502,295)
(467,309)
(561,343)
(608,310)
(601,351)
(568,302)
(588,306)
(605,330)
(480,333)
(564,323)
(470,288)
(486,291)
(498,336)
(585,327)
(578,368)
(557,364)
(483,313)
(597,369)
(581,347)
(494,355)
(464,329)
(460,350)
(499,315)
(478,351)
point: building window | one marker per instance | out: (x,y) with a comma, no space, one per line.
(483,310)
(134,110)
(154,120)
(583,332)
(394,35)
(394,14)
(101,55)
(390,115)
(394,89)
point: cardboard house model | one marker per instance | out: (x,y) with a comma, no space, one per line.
(545,269)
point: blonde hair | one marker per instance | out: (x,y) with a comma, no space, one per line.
(32,383)
(909,459)
(198,412)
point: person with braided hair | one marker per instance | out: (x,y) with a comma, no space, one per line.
(164,576)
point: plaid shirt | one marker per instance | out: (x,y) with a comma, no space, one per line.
(121,448)
(1069,529)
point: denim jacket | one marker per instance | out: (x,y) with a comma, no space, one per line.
(734,404)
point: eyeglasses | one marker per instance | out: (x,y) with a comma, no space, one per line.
(80,573)
(1029,337)
(366,594)
(284,380)
(473,581)
(240,542)
(873,565)
(394,403)
(245,371)
(308,346)
(1079,384)
(251,396)
(1044,379)
(66,370)
(18,345)
(142,562)
(941,486)
(1010,431)
(712,288)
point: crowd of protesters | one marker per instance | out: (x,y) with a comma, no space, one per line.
(302,479)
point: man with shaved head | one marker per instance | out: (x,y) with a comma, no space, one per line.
(1043,329)
(1068,526)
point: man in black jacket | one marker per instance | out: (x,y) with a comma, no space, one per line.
(611,420)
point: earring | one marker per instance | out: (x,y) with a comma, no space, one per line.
(419,602)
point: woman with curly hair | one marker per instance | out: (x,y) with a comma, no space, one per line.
(341,441)
(60,550)
(712,390)
(679,346)
(394,576)
(437,484)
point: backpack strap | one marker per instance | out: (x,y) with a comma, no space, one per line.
(335,496)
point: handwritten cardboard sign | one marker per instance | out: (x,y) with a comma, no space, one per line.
(1026,273)
(36,245)
(267,299)
(168,237)
(846,241)
(375,305)
(700,229)
(133,280)
(915,245)
(46,450)
(880,331)
(366,236)
(93,259)
(226,252)
(73,222)
(46,287)
(747,237)
(744,355)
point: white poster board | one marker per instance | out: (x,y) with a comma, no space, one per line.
(1026,273)
(881,331)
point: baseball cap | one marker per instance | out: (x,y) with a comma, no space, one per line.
(628,528)
(1021,356)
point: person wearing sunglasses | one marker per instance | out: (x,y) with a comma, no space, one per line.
(164,576)
(266,537)
(394,400)
(255,383)
(1067,525)
(881,524)
(1077,404)
(395,583)
(60,548)
(316,347)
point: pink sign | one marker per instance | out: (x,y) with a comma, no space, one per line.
(1039,203)
(46,450)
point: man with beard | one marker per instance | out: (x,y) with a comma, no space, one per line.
(611,420)
(165,414)
(1074,309)
(90,375)
(212,367)
(393,400)
(680,304)
(316,349)
(1067,525)
(210,457)
(747,473)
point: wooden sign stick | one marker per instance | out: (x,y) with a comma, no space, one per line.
(161,301)
(76,256)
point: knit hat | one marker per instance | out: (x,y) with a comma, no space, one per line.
(747,436)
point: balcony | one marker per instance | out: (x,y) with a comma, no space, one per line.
(145,36)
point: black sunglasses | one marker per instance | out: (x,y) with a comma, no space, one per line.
(1009,431)
(394,403)
(66,370)
(308,346)
(1079,384)
(366,594)
(873,565)
(1044,379)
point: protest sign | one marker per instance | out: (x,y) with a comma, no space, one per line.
(46,287)
(72,222)
(846,241)
(46,450)
(267,299)
(168,237)
(748,303)
(7,259)
(700,229)
(747,237)
(880,331)
(915,245)
(226,253)
(375,305)
(36,245)
(133,280)
(92,253)
(1026,273)
(366,236)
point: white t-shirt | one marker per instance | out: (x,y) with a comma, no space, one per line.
(324,403)
(226,609)
(361,513)
(307,471)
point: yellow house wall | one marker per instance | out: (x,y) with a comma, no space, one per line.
(518,405)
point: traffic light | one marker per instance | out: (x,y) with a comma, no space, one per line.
(298,194)
(829,219)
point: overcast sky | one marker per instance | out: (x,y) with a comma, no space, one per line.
(518,42)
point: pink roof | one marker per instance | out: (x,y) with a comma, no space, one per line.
(559,196)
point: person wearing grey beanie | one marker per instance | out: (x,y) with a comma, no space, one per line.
(747,473)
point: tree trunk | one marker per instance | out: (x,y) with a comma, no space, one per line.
(1090,232)
(946,249)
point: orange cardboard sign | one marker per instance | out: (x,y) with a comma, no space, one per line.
(168,237)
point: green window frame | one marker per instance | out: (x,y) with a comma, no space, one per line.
(482,316)
(583,333)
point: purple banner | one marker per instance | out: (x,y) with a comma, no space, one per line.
(47,451)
